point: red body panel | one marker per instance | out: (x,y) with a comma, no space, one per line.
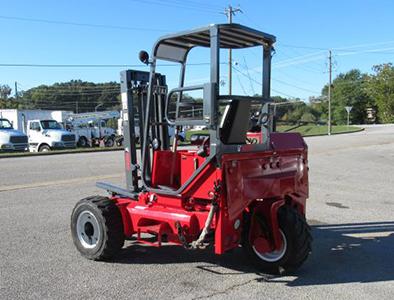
(262,180)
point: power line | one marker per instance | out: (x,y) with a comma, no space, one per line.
(362,46)
(302,47)
(289,84)
(188,6)
(378,50)
(76,93)
(250,81)
(242,86)
(80,24)
(298,53)
(299,60)
(295,86)
(259,83)
(93,65)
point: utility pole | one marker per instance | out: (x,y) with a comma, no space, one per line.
(329,90)
(230,12)
(16,90)
(76,107)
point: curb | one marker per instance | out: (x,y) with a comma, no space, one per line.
(78,151)
(336,133)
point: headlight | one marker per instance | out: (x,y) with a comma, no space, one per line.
(7,146)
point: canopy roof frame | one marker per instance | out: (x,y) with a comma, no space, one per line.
(175,47)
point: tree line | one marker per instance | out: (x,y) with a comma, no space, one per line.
(371,97)
(366,92)
(74,95)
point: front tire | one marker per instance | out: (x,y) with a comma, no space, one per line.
(44,148)
(296,243)
(109,143)
(97,228)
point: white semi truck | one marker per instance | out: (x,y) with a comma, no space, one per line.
(46,135)
(10,139)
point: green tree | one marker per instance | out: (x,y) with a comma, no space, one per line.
(5,92)
(381,89)
(349,89)
(6,101)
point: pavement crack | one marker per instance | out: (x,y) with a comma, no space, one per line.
(55,182)
(225,291)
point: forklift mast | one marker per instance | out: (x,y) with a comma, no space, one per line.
(134,88)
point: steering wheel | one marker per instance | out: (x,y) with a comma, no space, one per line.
(251,140)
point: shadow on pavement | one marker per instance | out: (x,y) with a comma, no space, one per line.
(342,253)
(345,253)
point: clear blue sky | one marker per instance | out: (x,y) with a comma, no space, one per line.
(365,28)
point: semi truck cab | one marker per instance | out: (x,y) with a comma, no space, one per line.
(11,139)
(46,135)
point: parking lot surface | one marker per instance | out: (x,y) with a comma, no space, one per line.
(351,208)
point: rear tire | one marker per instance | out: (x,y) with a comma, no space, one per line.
(97,228)
(82,142)
(296,243)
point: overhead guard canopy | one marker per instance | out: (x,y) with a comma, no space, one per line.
(175,47)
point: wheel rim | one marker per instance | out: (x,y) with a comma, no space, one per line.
(88,230)
(275,255)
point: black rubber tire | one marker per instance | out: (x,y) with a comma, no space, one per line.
(44,148)
(119,141)
(82,142)
(109,142)
(110,225)
(298,237)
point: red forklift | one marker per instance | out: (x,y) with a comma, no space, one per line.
(222,191)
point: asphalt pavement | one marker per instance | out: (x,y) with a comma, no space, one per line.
(351,208)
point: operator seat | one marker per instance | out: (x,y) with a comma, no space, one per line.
(235,122)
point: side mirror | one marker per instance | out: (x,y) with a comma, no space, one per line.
(144,57)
